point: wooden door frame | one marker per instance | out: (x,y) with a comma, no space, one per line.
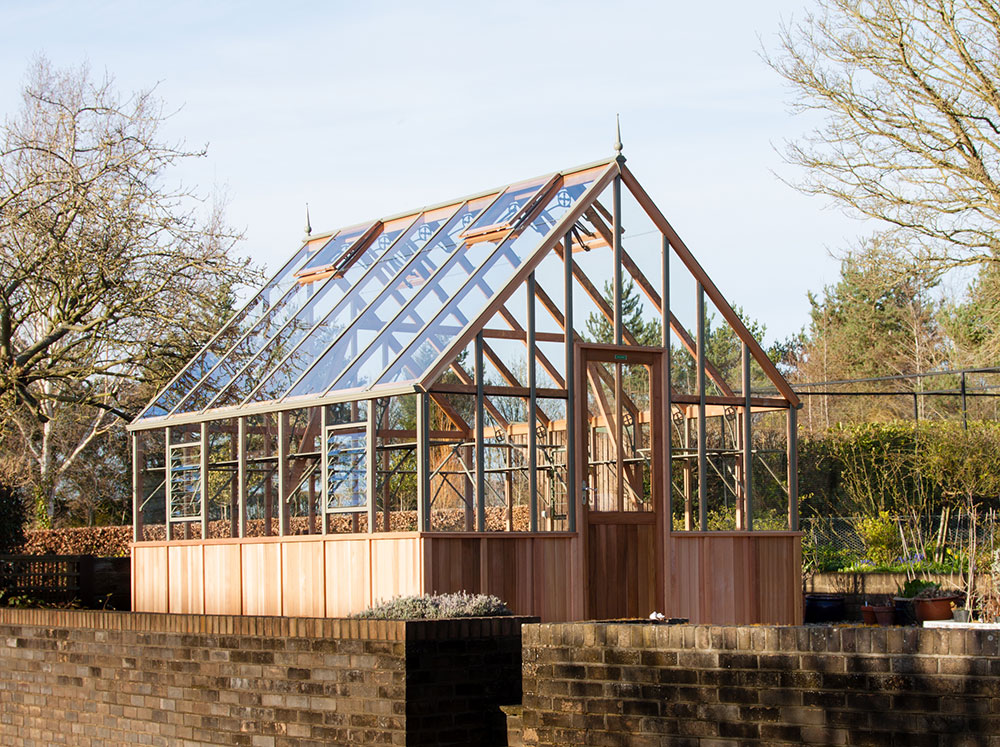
(655,358)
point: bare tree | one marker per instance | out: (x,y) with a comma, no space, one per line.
(910,95)
(104,263)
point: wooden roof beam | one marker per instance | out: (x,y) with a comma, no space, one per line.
(466,379)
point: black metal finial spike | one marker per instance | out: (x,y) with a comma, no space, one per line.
(309,228)
(618,135)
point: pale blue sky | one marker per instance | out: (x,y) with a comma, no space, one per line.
(368,109)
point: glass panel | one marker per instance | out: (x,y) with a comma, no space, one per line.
(185,482)
(233,331)
(223,471)
(262,475)
(303,486)
(514,198)
(345,468)
(395,464)
(436,257)
(153,484)
(466,303)
(321,299)
(344,413)
(350,307)
(269,325)
(619,437)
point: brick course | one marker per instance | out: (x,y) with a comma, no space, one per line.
(85,678)
(711,686)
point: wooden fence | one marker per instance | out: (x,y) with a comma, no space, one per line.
(91,581)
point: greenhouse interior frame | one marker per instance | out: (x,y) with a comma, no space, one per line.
(509,393)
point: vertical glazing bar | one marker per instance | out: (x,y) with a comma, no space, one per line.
(747,447)
(480,438)
(137,462)
(241,476)
(619,439)
(668,421)
(371,464)
(203,487)
(617,228)
(532,417)
(571,487)
(324,471)
(283,473)
(168,492)
(423,461)
(793,470)
(702,459)
(234,489)
(688,510)
(965,410)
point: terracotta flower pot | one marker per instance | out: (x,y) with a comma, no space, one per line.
(868,614)
(885,614)
(933,609)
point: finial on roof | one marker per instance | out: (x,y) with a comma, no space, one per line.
(619,158)
(309,228)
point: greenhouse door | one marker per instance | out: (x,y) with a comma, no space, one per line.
(620,449)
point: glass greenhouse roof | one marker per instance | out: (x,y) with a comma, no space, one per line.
(375,305)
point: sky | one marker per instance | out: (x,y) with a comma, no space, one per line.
(369,109)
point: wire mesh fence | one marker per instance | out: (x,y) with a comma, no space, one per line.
(844,535)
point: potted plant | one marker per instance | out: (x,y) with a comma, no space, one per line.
(903,601)
(878,614)
(934,603)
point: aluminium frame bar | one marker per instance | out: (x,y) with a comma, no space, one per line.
(702,460)
(569,334)
(423,461)
(532,404)
(480,445)
(666,427)
(747,446)
(617,228)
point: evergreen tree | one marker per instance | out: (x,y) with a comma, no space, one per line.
(879,319)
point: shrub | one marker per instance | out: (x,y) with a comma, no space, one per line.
(881,537)
(436,606)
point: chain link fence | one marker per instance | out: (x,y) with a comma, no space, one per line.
(842,535)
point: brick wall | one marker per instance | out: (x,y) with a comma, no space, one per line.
(85,678)
(639,685)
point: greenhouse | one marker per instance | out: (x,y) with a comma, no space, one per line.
(510,393)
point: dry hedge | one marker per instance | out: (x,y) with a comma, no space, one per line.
(114,541)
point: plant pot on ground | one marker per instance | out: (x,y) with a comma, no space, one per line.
(934,604)
(878,614)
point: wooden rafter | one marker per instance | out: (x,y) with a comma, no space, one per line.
(466,379)
(510,378)
(451,413)
(550,369)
